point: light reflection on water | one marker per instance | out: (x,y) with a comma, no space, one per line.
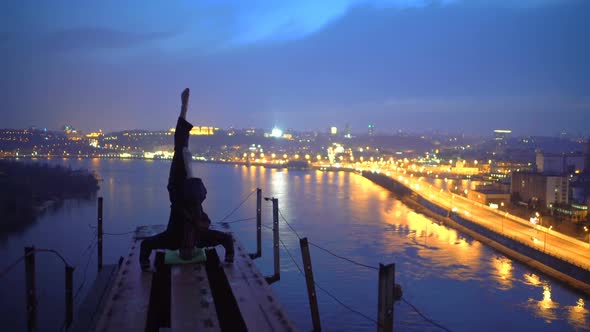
(452,278)
(460,257)
(545,307)
(504,268)
(578,314)
(532,279)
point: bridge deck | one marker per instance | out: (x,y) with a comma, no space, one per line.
(209,296)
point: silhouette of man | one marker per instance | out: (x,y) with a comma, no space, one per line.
(188,224)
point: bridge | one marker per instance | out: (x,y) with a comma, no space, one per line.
(207,296)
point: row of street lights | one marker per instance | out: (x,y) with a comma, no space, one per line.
(537,218)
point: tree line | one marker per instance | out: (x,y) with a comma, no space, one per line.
(25,188)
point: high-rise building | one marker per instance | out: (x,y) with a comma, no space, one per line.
(371,129)
(333,131)
(560,163)
(347,133)
(540,190)
(502,135)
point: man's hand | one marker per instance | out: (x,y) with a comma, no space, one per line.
(184,96)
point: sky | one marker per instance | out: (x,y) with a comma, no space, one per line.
(414,65)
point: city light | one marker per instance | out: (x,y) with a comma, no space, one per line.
(276,132)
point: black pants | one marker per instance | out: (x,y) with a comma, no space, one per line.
(172,237)
(166,240)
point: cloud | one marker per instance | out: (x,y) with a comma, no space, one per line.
(264,21)
(259,21)
(205,25)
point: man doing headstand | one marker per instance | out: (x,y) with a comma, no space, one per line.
(188,223)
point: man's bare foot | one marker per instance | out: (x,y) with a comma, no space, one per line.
(184,96)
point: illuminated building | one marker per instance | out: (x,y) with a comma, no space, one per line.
(93,138)
(491,196)
(203,131)
(200,130)
(540,190)
(333,131)
(347,133)
(371,129)
(276,132)
(502,135)
(72,134)
(95,134)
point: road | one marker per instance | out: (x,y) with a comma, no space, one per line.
(537,236)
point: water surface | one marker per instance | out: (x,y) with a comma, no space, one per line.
(450,277)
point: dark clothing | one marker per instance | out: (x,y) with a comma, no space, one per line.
(176,179)
(172,237)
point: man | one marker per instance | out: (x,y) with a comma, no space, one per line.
(188,223)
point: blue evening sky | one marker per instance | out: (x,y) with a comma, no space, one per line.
(450,65)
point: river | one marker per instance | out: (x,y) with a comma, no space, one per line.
(449,277)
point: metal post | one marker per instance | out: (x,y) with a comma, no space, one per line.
(30,289)
(69,295)
(386,295)
(311,294)
(99,229)
(258,224)
(275,239)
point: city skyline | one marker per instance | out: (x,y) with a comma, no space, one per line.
(418,66)
(345,131)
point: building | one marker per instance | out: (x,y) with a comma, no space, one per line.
(347,132)
(560,163)
(203,131)
(572,213)
(489,196)
(371,130)
(72,134)
(333,131)
(462,168)
(539,191)
(502,135)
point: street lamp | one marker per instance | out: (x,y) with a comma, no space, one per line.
(587,230)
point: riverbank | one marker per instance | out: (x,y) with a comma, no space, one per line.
(566,272)
(293,165)
(28,190)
